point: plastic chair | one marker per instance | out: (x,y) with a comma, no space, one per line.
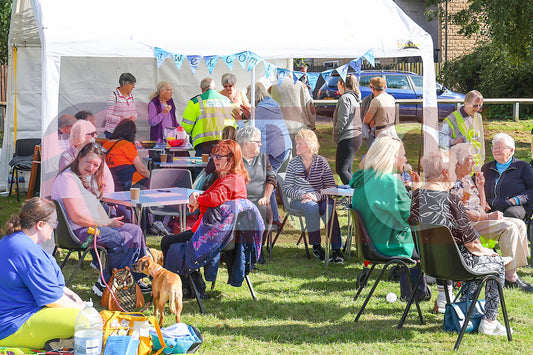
(228,255)
(440,258)
(22,160)
(163,178)
(280,177)
(66,239)
(367,250)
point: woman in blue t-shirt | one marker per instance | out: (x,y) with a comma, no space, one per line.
(36,306)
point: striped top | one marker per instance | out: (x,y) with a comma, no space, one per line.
(298,182)
(118,107)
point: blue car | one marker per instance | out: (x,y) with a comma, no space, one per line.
(401,85)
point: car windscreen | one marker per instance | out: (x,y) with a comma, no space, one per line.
(397,82)
(332,81)
(364,81)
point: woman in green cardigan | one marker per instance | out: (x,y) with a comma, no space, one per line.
(381,198)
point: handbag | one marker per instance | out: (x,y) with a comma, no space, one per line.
(122,292)
(455,314)
(133,325)
(179,338)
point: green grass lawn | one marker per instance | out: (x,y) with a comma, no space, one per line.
(304,307)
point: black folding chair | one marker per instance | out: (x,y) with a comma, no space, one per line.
(22,160)
(440,258)
(367,250)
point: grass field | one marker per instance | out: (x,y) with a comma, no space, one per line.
(304,307)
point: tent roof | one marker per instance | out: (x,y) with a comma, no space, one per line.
(280,29)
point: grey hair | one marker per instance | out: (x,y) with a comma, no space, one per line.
(463,151)
(261,92)
(229,78)
(472,96)
(160,86)
(207,83)
(65,121)
(507,139)
(434,163)
(247,133)
(126,78)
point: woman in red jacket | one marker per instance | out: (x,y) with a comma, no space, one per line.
(230,185)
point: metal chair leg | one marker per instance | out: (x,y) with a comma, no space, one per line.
(252,292)
(371,292)
(197,295)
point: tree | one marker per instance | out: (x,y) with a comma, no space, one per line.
(506,23)
(5,20)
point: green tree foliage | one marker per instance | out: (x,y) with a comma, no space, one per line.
(507,23)
(5,19)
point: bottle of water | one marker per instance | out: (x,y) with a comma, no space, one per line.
(88,331)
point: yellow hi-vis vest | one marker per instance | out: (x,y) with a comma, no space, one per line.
(473,136)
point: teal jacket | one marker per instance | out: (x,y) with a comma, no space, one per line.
(384,205)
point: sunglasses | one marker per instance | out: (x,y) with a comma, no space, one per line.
(92,134)
(52,225)
(220,156)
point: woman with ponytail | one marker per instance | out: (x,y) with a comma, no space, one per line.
(36,306)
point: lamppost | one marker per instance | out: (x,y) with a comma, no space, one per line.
(446,32)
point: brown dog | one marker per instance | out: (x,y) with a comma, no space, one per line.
(157,256)
(166,287)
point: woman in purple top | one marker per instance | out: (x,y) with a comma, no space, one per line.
(161,111)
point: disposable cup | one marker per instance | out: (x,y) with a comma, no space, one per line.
(135,193)
(205,158)
(163,158)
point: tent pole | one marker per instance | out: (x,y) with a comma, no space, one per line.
(15,100)
(252,99)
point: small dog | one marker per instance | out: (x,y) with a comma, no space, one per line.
(166,287)
(157,256)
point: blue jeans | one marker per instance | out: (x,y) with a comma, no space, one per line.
(124,246)
(313,211)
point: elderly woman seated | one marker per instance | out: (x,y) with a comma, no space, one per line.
(262,177)
(434,204)
(307,174)
(509,181)
(510,232)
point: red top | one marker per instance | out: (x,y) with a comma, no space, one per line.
(230,187)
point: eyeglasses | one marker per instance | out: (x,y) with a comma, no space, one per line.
(256,142)
(228,86)
(477,106)
(52,225)
(220,156)
(92,134)
(500,148)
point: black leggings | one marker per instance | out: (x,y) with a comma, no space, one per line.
(346,150)
(168,240)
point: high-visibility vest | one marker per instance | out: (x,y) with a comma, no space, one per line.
(472,136)
(211,116)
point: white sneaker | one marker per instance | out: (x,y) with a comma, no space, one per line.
(440,302)
(492,328)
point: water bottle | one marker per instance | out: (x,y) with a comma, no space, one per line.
(88,331)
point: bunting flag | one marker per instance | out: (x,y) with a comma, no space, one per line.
(211,62)
(269,68)
(369,56)
(297,75)
(313,78)
(253,60)
(356,65)
(178,60)
(194,60)
(160,56)
(342,70)
(229,59)
(282,74)
(242,57)
(326,74)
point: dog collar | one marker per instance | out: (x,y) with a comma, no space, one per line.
(156,271)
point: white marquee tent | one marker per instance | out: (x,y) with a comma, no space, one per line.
(66,55)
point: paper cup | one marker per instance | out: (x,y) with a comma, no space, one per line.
(163,158)
(135,193)
(205,158)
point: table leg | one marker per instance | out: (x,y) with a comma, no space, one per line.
(329,229)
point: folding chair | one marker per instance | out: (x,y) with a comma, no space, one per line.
(367,250)
(440,258)
(22,160)
(66,239)
(288,212)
